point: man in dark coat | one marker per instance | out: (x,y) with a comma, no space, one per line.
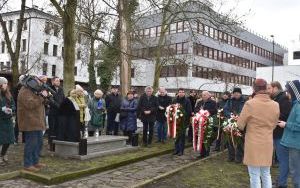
(161,121)
(223,100)
(282,152)
(193,100)
(58,98)
(113,104)
(147,109)
(180,137)
(235,106)
(211,106)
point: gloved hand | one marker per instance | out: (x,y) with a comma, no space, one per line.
(6,110)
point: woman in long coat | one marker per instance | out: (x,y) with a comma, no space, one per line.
(128,116)
(7,107)
(97,110)
(259,117)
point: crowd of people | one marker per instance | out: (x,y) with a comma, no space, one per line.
(270,117)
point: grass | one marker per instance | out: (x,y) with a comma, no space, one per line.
(211,173)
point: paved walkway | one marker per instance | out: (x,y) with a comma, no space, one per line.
(125,176)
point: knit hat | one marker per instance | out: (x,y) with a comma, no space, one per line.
(237,89)
(293,87)
(3,81)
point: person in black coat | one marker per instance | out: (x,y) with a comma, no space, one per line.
(69,119)
(211,106)
(147,109)
(186,104)
(113,104)
(161,121)
(223,100)
(58,98)
(235,106)
(282,152)
(193,100)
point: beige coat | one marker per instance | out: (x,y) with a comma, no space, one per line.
(31,111)
(259,117)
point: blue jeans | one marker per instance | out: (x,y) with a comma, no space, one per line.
(161,130)
(33,147)
(258,175)
(294,158)
(282,154)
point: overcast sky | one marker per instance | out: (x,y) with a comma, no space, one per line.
(266,17)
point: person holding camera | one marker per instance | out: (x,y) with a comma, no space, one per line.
(7,106)
(31,120)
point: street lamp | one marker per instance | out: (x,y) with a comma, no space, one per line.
(273,60)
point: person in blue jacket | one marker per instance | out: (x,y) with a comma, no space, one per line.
(291,134)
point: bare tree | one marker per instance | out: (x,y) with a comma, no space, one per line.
(14,53)
(68,14)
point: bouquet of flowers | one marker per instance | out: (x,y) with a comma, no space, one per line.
(175,119)
(231,131)
(202,125)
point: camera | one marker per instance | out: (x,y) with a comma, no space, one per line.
(36,87)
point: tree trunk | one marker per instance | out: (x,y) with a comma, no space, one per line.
(91,67)
(124,68)
(69,44)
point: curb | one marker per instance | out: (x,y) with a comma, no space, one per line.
(9,175)
(162,176)
(82,173)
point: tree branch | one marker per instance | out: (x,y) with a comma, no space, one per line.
(57,7)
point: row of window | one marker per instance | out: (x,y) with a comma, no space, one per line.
(23,46)
(174,71)
(10,25)
(218,55)
(227,77)
(183,26)
(55,49)
(5,67)
(53,70)
(172,49)
(236,42)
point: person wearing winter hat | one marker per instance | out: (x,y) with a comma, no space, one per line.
(291,134)
(235,106)
(7,107)
(259,116)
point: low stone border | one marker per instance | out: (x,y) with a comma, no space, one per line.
(162,176)
(9,175)
(81,173)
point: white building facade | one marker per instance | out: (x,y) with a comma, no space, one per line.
(42,46)
(294,52)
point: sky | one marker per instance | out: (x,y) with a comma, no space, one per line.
(266,17)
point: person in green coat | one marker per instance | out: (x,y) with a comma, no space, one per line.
(7,107)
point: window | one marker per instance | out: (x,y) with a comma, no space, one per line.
(296,55)
(205,51)
(56,30)
(147,33)
(54,50)
(22,66)
(25,25)
(216,34)
(10,25)
(211,32)
(2,65)
(201,28)
(211,53)
(75,71)
(216,54)
(78,54)
(53,70)
(23,45)
(185,48)
(47,27)
(204,72)
(206,30)
(185,26)
(46,47)
(62,52)
(3,47)
(173,28)
(8,65)
(132,72)
(45,67)
(158,30)
(179,27)
(153,32)
(179,48)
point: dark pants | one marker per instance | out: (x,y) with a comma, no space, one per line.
(205,151)
(218,140)
(190,134)
(180,142)
(235,154)
(33,147)
(53,127)
(129,134)
(112,125)
(147,126)
(16,130)
(4,149)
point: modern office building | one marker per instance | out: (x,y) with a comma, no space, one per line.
(200,54)
(42,49)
